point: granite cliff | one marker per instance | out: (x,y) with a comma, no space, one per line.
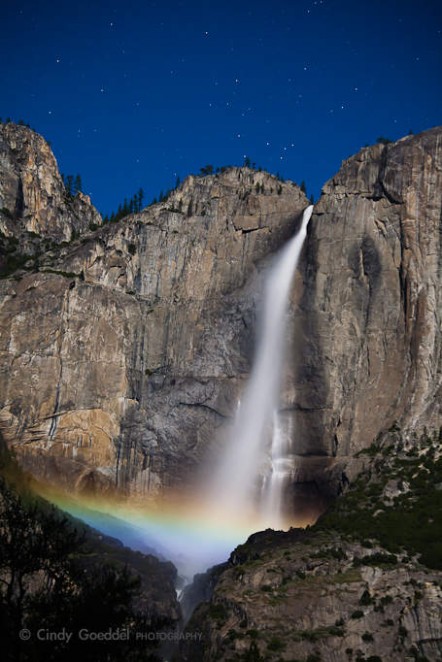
(125,351)
(368,309)
(33,198)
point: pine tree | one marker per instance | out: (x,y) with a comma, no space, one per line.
(77,184)
(140,199)
(69,184)
(207,170)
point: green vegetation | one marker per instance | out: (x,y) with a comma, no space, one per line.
(276,644)
(357,614)
(72,185)
(20,122)
(132,206)
(319,633)
(51,581)
(252,655)
(411,521)
(65,274)
(218,611)
(207,170)
(366,599)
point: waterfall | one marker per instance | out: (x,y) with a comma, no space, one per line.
(234,485)
(282,466)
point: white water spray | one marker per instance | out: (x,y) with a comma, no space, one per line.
(234,484)
(282,469)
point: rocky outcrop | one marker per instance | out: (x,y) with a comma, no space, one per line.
(33,198)
(364,583)
(316,595)
(368,309)
(126,351)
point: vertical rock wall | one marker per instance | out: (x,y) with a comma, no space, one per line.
(368,318)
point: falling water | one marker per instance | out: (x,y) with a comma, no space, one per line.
(234,485)
(280,474)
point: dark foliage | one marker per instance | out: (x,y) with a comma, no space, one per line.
(412,521)
(50,587)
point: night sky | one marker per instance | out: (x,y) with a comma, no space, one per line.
(133,94)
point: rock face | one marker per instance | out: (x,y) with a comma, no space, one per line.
(32,195)
(125,352)
(295,595)
(369,312)
(364,583)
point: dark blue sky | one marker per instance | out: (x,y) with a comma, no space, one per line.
(135,93)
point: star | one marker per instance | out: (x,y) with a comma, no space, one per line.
(58,60)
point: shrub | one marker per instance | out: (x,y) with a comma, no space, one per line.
(357,614)
(276,644)
(218,611)
(402,632)
(366,598)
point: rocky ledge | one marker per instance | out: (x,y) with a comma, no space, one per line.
(364,583)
